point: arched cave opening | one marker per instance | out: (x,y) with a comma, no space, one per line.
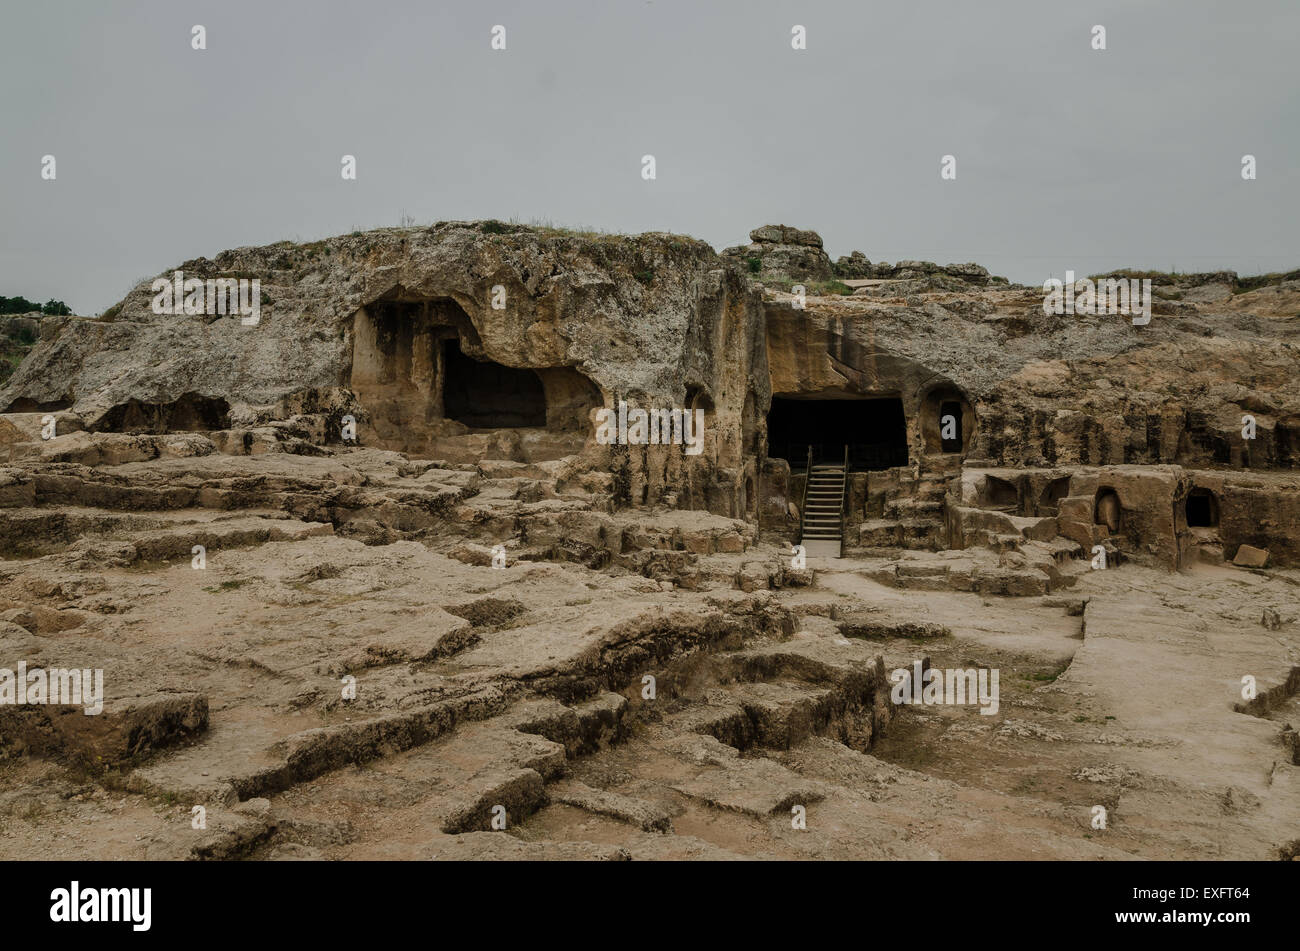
(188,413)
(873,429)
(1202,509)
(950,426)
(1107,509)
(698,398)
(486,395)
(412,370)
(947,420)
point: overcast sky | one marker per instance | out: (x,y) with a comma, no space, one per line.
(1066,157)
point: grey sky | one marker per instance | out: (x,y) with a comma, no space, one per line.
(1066,157)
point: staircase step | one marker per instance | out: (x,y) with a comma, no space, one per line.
(822,527)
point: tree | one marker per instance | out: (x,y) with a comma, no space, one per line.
(17,305)
(21,305)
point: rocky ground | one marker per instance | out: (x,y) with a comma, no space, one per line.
(320,650)
(519,693)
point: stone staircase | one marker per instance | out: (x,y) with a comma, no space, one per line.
(822,529)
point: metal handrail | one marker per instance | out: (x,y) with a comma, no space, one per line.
(803,509)
(844,496)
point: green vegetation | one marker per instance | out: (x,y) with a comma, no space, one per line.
(547,227)
(1254,283)
(1155,277)
(21,305)
(16,341)
(812,288)
(1240,285)
(1048,676)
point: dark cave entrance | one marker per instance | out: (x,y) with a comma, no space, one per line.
(947,420)
(190,413)
(1202,509)
(487,395)
(950,426)
(875,431)
(1107,510)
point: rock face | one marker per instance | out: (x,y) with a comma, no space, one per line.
(909,276)
(391,483)
(778,252)
(388,326)
(781,253)
(466,342)
(631,314)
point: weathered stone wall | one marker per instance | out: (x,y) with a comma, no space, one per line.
(1057,390)
(661,321)
(651,319)
(1257,509)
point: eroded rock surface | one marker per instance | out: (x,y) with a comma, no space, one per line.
(471,630)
